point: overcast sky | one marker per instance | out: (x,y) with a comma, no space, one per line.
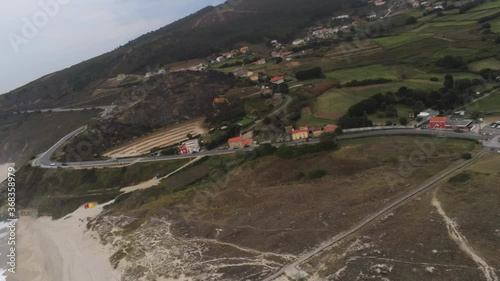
(36,40)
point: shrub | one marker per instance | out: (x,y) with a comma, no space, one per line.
(411,20)
(315,174)
(467,156)
(311,73)
(434,79)
(462,177)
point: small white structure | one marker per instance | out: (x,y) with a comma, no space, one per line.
(190,146)
(297,42)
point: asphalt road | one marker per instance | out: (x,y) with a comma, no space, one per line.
(44,159)
(106,109)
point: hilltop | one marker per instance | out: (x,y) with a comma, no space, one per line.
(195,36)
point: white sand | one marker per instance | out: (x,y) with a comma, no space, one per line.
(62,250)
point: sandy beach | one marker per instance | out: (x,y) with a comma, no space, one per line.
(62,250)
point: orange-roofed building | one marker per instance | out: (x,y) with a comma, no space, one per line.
(300,134)
(278,80)
(438,122)
(239,142)
(220,100)
(244,50)
(330,128)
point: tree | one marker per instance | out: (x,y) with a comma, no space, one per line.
(266,121)
(449,82)
(403,121)
(411,20)
(189,136)
(391,111)
(388,123)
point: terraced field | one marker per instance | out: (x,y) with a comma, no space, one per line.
(167,137)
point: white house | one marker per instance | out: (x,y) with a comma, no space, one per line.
(190,146)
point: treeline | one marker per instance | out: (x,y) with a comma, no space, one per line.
(366,82)
(311,73)
(453,94)
(469,6)
(451,62)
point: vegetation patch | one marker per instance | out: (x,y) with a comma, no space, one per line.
(376,71)
(460,178)
(491,63)
(398,41)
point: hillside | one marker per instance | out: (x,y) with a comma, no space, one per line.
(196,36)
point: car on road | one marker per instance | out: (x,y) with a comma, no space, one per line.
(64,164)
(52,164)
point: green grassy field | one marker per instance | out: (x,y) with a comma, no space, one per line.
(492,63)
(487,6)
(398,41)
(491,103)
(361,73)
(495,25)
(470,15)
(459,52)
(453,23)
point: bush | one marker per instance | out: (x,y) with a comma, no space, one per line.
(356,83)
(463,177)
(434,79)
(450,62)
(411,20)
(403,121)
(315,174)
(307,74)
(466,156)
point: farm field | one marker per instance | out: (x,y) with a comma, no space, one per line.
(361,73)
(490,103)
(495,25)
(487,6)
(469,16)
(492,63)
(165,137)
(399,40)
(333,104)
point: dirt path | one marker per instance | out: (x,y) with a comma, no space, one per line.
(461,240)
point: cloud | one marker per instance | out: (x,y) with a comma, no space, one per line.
(76,31)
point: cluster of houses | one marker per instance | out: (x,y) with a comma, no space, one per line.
(231,54)
(305,132)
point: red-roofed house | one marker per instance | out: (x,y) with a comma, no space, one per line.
(239,142)
(278,80)
(244,50)
(330,128)
(302,133)
(438,122)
